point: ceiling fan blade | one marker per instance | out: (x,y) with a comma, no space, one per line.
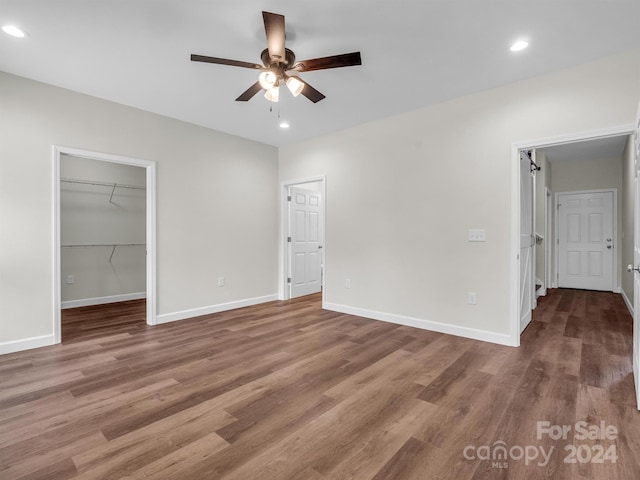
(274,28)
(311,93)
(249,92)
(224,61)
(334,61)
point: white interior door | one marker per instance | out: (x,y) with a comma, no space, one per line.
(636,260)
(586,240)
(527,242)
(305,230)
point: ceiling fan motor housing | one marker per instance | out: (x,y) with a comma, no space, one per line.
(278,66)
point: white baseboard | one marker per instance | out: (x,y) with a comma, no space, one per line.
(627,301)
(86,302)
(617,290)
(466,332)
(26,344)
(221,307)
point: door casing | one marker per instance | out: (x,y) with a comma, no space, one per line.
(150,168)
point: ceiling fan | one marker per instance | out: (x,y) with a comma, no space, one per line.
(279,61)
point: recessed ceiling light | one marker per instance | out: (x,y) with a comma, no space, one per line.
(284,125)
(519,45)
(14,31)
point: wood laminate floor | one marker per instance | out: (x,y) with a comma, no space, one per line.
(286,390)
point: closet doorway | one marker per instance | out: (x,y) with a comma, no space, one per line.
(104,240)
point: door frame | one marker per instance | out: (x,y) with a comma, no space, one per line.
(150,167)
(514,293)
(283,290)
(615,288)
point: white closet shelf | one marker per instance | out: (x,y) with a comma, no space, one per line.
(104,245)
(112,245)
(113,186)
(102,184)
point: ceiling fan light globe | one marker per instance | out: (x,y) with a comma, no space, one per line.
(273,94)
(267,79)
(295,85)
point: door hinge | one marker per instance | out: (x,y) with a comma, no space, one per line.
(558,206)
(289,280)
(289,239)
(288,198)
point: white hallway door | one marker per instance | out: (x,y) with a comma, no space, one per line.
(527,242)
(305,241)
(636,267)
(586,240)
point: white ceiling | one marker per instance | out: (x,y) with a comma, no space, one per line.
(414,53)
(608,148)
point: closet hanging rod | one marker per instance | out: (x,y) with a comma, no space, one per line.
(102,184)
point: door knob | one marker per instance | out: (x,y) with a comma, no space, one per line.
(631,268)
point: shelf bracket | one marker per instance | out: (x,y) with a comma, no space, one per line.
(111,197)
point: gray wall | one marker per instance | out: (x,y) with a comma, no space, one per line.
(217,203)
(90,216)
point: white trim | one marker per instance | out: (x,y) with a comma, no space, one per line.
(87,302)
(627,301)
(283,290)
(26,344)
(150,167)
(514,291)
(619,130)
(221,307)
(475,334)
(614,279)
(515,206)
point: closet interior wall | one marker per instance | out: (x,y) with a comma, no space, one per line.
(102,231)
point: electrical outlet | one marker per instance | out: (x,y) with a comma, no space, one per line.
(347,283)
(472,298)
(221,281)
(70,280)
(477,236)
